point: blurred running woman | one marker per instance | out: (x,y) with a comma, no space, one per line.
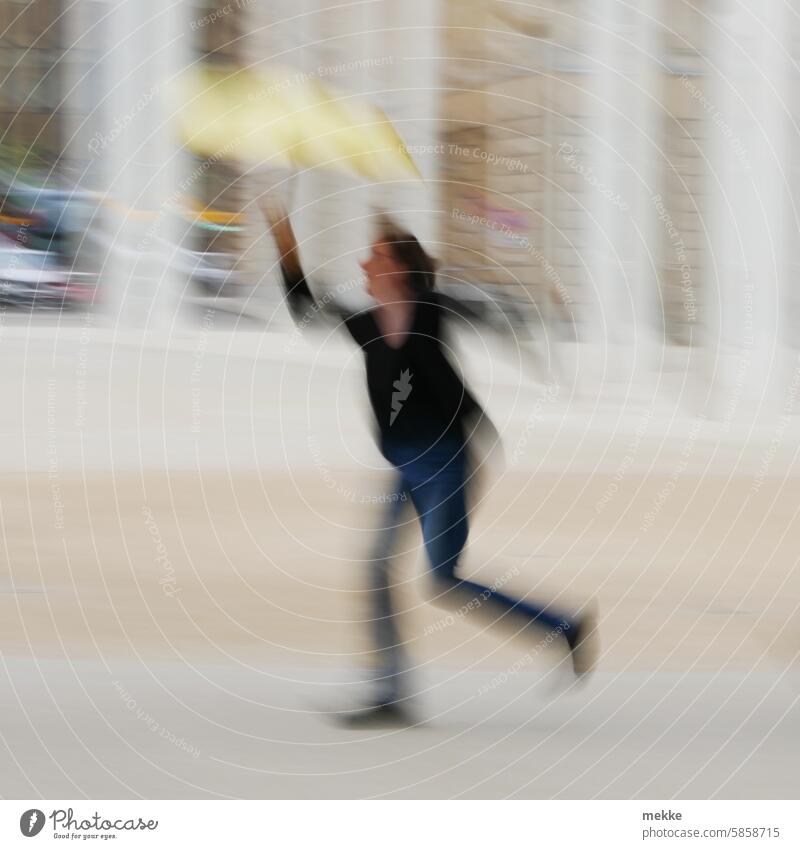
(425,417)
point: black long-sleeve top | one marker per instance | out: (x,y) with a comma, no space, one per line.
(416,395)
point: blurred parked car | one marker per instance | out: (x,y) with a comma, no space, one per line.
(34,279)
(214,273)
(44,218)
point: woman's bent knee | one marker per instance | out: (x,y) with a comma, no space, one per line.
(446,589)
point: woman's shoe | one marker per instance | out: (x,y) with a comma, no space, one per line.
(379,715)
(583,645)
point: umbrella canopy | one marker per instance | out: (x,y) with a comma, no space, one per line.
(281,117)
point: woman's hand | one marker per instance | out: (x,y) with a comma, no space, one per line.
(281,228)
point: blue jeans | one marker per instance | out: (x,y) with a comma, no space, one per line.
(435,481)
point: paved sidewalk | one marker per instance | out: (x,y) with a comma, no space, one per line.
(168,731)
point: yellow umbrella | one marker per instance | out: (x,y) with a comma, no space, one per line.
(225,113)
(378,150)
(286,117)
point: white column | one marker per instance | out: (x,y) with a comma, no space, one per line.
(640,137)
(147,43)
(330,212)
(406,73)
(745,126)
(384,53)
(603,168)
(790,302)
(273,35)
(85,113)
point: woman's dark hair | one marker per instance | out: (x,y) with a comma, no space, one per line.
(420,267)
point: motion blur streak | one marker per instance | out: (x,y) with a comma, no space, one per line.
(190,488)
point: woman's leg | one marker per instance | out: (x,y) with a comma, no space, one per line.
(391,665)
(440,502)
